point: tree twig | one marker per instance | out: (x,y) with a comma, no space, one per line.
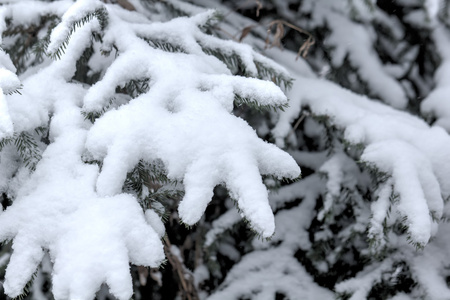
(185,277)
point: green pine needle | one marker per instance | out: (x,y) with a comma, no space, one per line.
(102,16)
(26,147)
(239,101)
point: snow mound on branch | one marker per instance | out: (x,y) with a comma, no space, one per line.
(79,215)
(91,239)
(74,14)
(403,146)
(190,128)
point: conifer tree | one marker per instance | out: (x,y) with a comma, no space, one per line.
(122,108)
(137,155)
(368,220)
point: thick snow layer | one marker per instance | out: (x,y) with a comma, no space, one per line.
(90,238)
(190,129)
(225,150)
(76,12)
(77,213)
(92,231)
(9,81)
(404,147)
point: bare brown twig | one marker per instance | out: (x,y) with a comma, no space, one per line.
(279,34)
(186,280)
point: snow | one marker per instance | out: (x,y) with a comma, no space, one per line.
(379,210)
(401,145)
(436,103)
(292,225)
(413,180)
(432,264)
(261,270)
(76,215)
(172,127)
(224,222)
(155,222)
(8,84)
(25,12)
(353,41)
(84,233)
(235,155)
(360,287)
(76,11)
(432,7)
(76,212)
(9,81)
(90,239)
(334,169)
(6,126)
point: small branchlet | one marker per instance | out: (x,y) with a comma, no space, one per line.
(212,21)
(165,46)
(27,288)
(16,91)
(102,16)
(268,73)
(135,87)
(147,182)
(26,147)
(93,115)
(239,101)
(378,176)
(26,49)
(237,67)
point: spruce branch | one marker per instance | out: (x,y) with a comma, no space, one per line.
(165,46)
(235,64)
(136,87)
(26,147)
(102,16)
(16,91)
(94,115)
(239,101)
(27,288)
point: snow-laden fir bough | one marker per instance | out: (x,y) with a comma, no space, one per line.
(366,222)
(69,206)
